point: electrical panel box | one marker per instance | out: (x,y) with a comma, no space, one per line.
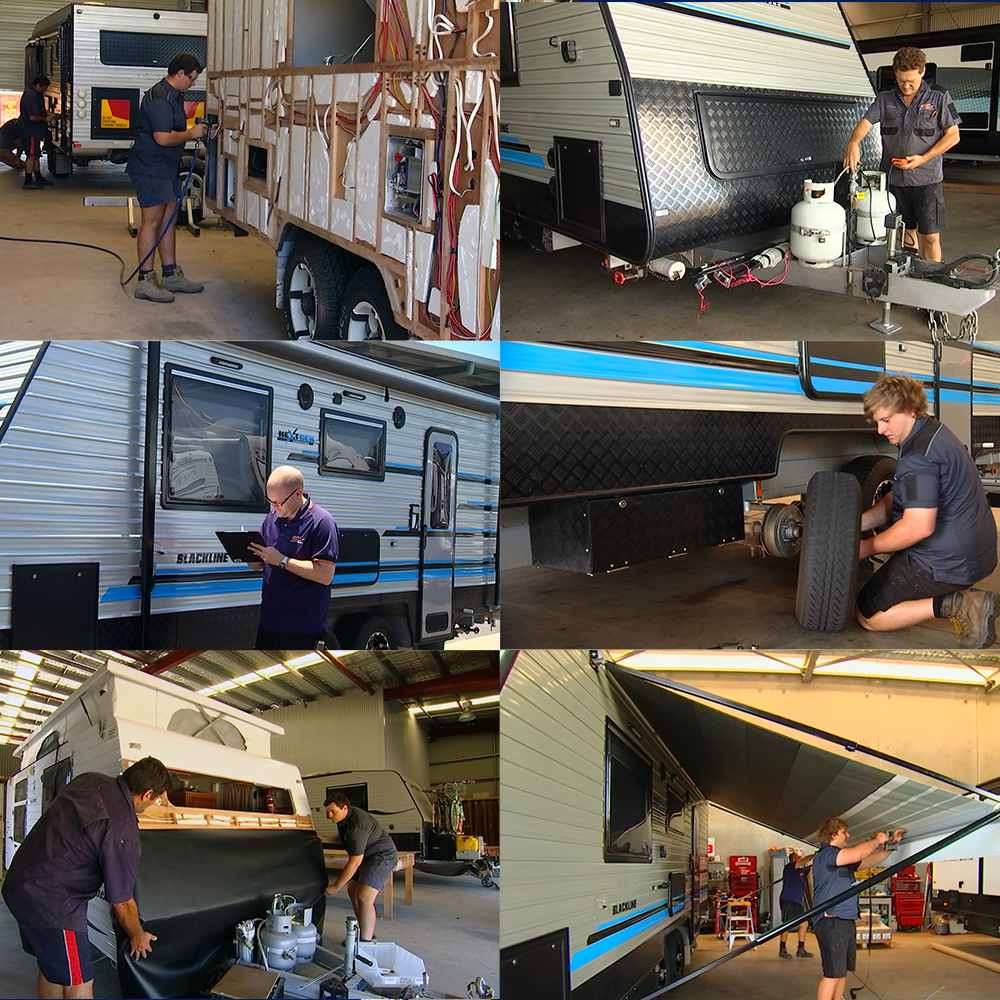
(404,178)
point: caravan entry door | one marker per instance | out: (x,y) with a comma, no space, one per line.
(437,534)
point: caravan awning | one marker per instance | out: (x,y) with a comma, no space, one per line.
(792,780)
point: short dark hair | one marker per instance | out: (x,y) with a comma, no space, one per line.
(184,62)
(145,775)
(908,58)
(42,79)
(338,799)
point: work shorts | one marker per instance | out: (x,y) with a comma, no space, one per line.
(900,579)
(63,956)
(838,946)
(152,191)
(269,639)
(922,208)
(32,144)
(790,910)
(375,871)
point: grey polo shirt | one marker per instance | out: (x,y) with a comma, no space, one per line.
(910,131)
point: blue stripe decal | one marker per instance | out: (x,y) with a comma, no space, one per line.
(707,8)
(736,352)
(841,385)
(537,358)
(524,159)
(594,951)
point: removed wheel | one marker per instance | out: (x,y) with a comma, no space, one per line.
(365,313)
(195,188)
(828,566)
(312,289)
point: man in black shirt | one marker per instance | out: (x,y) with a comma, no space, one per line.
(154,166)
(938,525)
(87,837)
(371,859)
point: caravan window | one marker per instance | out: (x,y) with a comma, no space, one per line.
(216,442)
(142,48)
(357,795)
(441,479)
(628,792)
(351,446)
(18,833)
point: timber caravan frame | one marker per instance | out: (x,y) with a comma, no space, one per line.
(101,60)
(657,130)
(359,139)
(176,444)
(603,838)
(120,715)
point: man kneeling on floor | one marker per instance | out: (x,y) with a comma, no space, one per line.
(941,531)
(371,859)
(793,899)
(834,865)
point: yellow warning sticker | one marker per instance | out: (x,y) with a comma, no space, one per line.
(115,113)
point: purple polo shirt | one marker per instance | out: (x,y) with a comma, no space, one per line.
(288,602)
(88,836)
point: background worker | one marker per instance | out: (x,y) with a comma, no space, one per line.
(87,837)
(10,139)
(833,868)
(33,124)
(940,528)
(154,164)
(919,124)
(299,557)
(371,859)
(793,900)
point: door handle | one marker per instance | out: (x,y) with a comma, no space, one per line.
(414,516)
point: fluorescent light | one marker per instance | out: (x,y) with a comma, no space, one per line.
(244,679)
(303,661)
(278,668)
(30,657)
(490,699)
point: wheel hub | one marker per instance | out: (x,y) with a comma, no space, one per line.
(366,324)
(781,530)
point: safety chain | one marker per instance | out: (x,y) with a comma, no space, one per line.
(969,328)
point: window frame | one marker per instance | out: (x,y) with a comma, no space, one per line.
(172,371)
(612,731)
(372,423)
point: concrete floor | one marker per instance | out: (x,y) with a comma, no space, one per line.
(905,970)
(705,599)
(73,293)
(453,925)
(566,296)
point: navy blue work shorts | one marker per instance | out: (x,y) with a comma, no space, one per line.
(63,955)
(838,946)
(151,191)
(922,208)
(900,579)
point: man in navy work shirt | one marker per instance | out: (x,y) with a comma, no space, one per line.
(793,899)
(371,859)
(154,166)
(919,124)
(833,868)
(88,836)
(299,557)
(33,124)
(940,527)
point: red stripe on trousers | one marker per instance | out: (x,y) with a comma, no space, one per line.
(73,958)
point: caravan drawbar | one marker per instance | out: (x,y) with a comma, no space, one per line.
(119,462)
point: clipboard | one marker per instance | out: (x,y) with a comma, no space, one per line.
(235,543)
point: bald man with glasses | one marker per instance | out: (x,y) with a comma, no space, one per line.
(299,557)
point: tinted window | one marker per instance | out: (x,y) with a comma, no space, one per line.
(217,443)
(352,446)
(628,830)
(441,479)
(357,795)
(141,48)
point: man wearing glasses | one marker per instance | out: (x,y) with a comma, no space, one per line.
(299,557)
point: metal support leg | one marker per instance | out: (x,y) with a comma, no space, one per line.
(133,229)
(192,226)
(885,324)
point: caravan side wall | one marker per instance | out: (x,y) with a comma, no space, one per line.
(727,109)
(555,710)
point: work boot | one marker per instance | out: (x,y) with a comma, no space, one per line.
(973,613)
(150,288)
(802,953)
(41,182)
(176,282)
(30,185)
(783,952)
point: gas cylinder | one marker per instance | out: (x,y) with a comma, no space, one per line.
(872,204)
(818,226)
(307,938)
(278,941)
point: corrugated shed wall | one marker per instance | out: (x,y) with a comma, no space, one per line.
(881,20)
(9,764)
(19,18)
(331,734)
(468,758)
(406,748)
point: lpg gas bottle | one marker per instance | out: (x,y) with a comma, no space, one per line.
(818,226)
(278,942)
(307,938)
(872,203)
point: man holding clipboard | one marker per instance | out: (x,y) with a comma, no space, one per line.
(299,557)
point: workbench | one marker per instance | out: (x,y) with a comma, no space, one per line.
(336,859)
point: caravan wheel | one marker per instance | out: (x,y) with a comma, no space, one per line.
(365,313)
(313,286)
(672,967)
(874,475)
(368,632)
(828,566)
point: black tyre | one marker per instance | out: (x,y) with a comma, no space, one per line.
(368,632)
(828,566)
(672,967)
(874,475)
(365,313)
(313,287)
(195,188)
